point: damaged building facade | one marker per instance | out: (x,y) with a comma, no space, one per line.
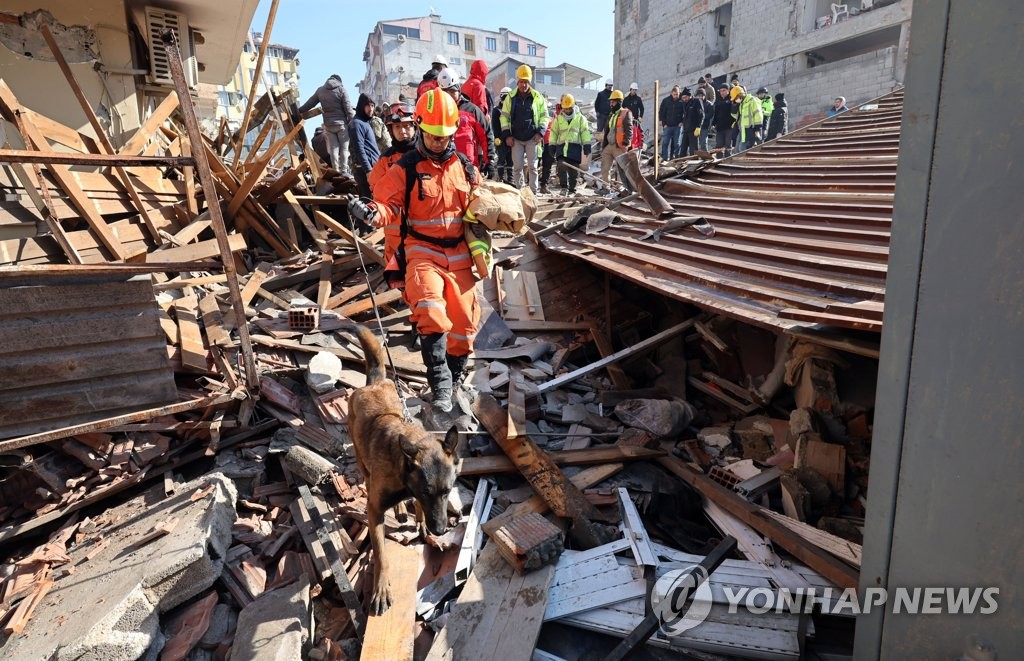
(813,50)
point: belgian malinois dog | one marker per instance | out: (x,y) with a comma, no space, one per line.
(398,459)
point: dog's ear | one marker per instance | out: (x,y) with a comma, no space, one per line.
(451,440)
(409,448)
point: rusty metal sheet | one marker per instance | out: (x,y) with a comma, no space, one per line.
(802,229)
(74,350)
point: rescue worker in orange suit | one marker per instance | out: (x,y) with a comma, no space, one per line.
(439,276)
(401,122)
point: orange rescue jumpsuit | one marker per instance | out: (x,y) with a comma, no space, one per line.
(440,287)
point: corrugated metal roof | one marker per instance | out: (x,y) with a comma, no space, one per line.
(78,349)
(802,228)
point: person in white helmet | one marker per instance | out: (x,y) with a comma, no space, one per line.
(602,107)
(636,106)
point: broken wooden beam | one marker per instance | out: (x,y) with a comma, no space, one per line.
(564,498)
(824,563)
(96,160)
(606,454)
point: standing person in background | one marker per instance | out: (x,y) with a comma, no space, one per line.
(571,135)
(693,119)
(766,107)
(401,124)
(547,159)
(709,118)
(429,81)
(724,121)
(337,112)
(380,130)
(475,87)
(778,124)
(618,136)
(319,143)
(838,106)
(602,108)
(749,118)
(670,115)
(524,117)
(503,172)
(364,144)
(636,106)
(473,138)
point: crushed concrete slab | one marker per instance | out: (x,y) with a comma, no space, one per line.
(109,607)
(276,626)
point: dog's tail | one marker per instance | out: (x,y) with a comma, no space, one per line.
(374,353)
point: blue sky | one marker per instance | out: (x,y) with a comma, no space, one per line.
(331,34)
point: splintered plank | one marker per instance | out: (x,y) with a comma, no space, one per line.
(498,615)
(213,321)
(193,351)
(391,635)
(521,298)
(194,251)
(603,454)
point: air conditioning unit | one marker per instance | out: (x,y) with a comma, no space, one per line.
(400,69)
(401,38)
(157,21)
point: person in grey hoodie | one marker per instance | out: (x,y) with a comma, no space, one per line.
(337,114)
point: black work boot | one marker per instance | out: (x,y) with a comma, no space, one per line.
(434,351)
(457,366)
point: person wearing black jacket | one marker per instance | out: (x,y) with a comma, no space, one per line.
(670,116)
(723,121)
(709,116)
(634,102)
(693,118)
(779,122)
(603,107)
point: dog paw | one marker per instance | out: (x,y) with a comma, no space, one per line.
(381,600)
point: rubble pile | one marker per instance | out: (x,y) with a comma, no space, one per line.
(605,440)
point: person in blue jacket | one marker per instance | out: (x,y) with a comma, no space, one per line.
(364,144)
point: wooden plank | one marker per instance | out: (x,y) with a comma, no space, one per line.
(578,438)
(391,635)
(113,421)
(181,283)
(43,157)
(597,455)
(564,498)
(841,548)
(639,347)
(213,322)
(283,184)
(368,251)
(604,348)
(516,405)
(9,108)
(257,172)
(497,616)
(324,286)
(138,141)
(200,250)
(585,479)
(818,560)
(715,393)
(388,297)
(300,213)
(538,326)
(251,98)
(193,351)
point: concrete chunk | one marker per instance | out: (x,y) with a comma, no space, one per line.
(276,626)
(108,608)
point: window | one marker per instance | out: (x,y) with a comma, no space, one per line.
(224,97)
(531,49)
(275,52)
(513,46)
(470,44)
(245,47)
(415,55)
(456,60)
(273,78)
(400,30)
(491,43)
(453,38)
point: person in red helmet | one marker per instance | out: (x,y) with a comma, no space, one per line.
(427,193)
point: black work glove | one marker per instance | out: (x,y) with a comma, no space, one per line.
(487,170)
(586,149)
(362,209)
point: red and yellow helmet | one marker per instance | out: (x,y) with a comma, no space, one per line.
(436,113)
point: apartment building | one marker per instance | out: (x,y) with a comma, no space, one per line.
(399,51)
(813,50)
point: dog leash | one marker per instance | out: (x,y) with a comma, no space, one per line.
(380,324)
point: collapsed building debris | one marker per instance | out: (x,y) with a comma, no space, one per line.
(616,433)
